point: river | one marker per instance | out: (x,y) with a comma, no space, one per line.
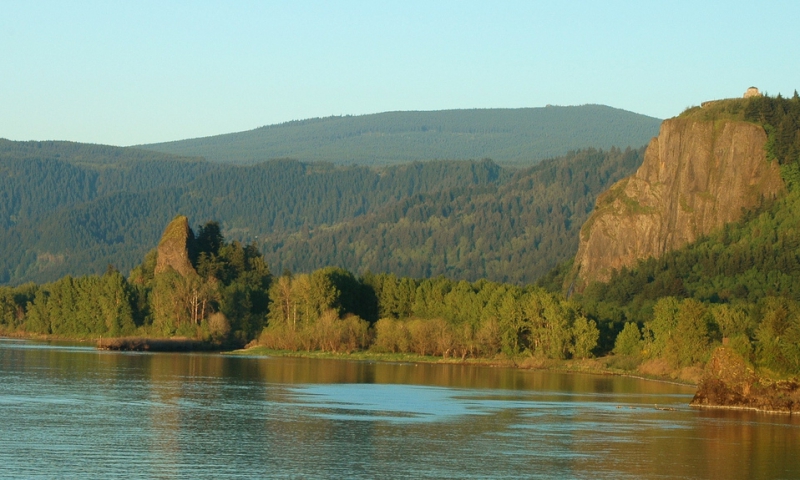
(70,411)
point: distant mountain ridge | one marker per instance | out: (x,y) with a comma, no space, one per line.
(81,153)
(521,136)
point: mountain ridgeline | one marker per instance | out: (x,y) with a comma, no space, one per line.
(75,212)
(508,136)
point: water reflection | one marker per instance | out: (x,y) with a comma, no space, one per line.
(71,411)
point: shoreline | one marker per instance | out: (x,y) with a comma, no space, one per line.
(731,384)
(154,344)
(46,338)
(591,366)
(130,343)
(742,408)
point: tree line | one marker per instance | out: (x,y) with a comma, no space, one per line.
(231,297)
(331,310)
(737,286)
(779,116)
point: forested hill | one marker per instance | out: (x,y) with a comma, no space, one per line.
(515,231)
(465,218)
(82,153)
(64,218)
(508,136)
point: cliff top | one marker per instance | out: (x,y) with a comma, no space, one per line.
(175,230)
(730,109)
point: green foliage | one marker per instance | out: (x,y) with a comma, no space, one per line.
(13,302)
(781,119)
(514,231)
(733,320)
(391,336)
(658,331)
(82,307)
(466,220)
(778,336)
(227,303)
(741,264)
(629,340)
(691,341)
(431,317)
(779,116)
(739,285)
(232,294)
(585,335)
(678,332)
(510,136)
(65,218)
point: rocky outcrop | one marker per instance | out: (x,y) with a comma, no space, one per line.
(728,383)
(696,176)
(173,249)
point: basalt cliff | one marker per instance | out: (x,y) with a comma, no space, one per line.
(696,176)
(173,249)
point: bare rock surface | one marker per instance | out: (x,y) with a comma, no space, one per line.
(729,384)
(173,248)
(696,176)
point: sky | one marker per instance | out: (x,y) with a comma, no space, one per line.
(126,73)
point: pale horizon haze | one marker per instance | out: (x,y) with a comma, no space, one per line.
(126,73)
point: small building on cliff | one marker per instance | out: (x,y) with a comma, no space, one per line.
(752,92)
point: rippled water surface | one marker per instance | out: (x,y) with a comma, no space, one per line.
(72,411)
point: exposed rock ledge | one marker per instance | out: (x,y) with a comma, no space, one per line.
(696,177)
(173,249)
(729,384)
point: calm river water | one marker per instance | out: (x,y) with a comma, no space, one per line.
(72,411)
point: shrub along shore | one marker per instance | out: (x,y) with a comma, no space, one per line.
(181,344)
(604,366)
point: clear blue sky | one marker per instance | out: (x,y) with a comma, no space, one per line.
(129,72)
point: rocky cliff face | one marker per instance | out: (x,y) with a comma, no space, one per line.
(696,176)
(173,249)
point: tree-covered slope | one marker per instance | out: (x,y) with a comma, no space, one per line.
(508,136)
(510,232)
(63,218)
(33,187)
(465,219)
(746,261)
